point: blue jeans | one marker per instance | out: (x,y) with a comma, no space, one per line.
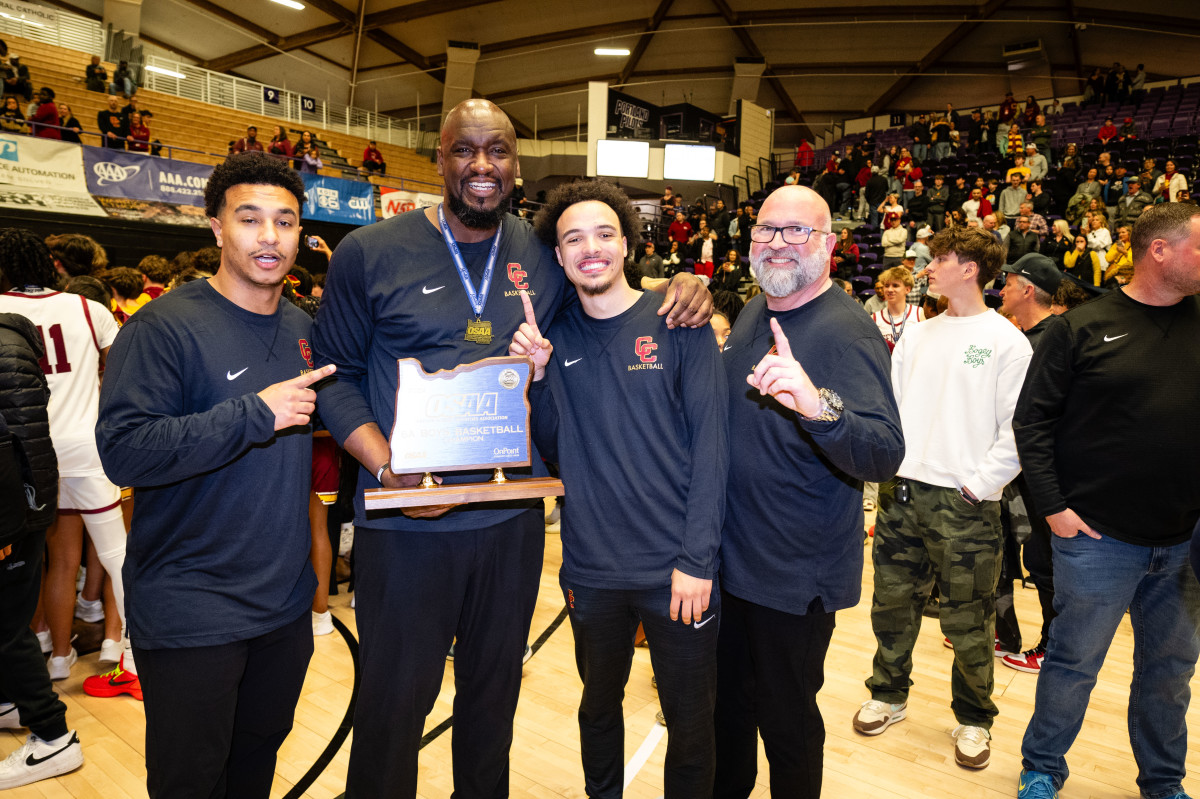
(1094,582)
(920,152)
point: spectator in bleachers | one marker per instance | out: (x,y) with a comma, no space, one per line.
(1013,195)
(939,198)
(1096,230)
(1110,185)
(917,212)
(1090,185)
(44,120)
(845,255)
(301,148)
(1150,173)
(156,274)
(991,226)
(651,263)
(1021,241)
(17,79)
(728,275)
(1116,83)
(894,241)
(112,125)
(1108,131)
(279,145)
(1032,111)
(1008,109)
(1132,203)
(1059,243)
(940,136)
(1169,183)
(249,142)
(921,257)
(1015,143)
(312,160)
(888,167)
(1119,255)
(95,76)
(804,154)
(1137,84)
(888,208)
(68,121)
(1041,134)
(1037,164)
(1093,90)
(673,260)
(680,230)
(959,193)
(11,118)
(912,176)
(134,103)
(1083,262)
(920,134)
(372,159)
(1019,167)
(974,131)
(1128,131)
(122,82)
(1037,222)
(139,134)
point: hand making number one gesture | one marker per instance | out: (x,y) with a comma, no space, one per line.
(528,341)
(781,376)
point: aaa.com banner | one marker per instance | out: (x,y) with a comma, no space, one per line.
(134,176)
(336,200)
(396,201)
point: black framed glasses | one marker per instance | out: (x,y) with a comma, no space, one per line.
(792,234)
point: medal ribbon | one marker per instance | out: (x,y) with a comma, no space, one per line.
(477,299)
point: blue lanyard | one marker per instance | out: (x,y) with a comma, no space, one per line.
(477,299)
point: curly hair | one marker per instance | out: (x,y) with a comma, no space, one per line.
(156,269)
(970,244)
(545,223)
(78,254)
(206,259)
(254,168)
(25,260)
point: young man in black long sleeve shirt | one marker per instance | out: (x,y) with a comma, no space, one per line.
(1106,431)
(641,532)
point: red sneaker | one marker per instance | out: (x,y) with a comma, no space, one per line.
(1029,661)
(114,683)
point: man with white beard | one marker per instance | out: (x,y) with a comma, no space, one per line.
(816,420)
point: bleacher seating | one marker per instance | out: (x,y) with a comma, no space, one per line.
(192,125)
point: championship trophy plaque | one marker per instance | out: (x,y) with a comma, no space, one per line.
(473,417)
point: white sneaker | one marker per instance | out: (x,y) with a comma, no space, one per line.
(45,642)
(60,668)
(322,623)
(346,539)
(89,610)
(9,718)
(111,651)
(972,746)
(38,760)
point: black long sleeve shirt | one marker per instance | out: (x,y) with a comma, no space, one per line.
(1106,423)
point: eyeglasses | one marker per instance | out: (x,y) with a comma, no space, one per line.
(792,234)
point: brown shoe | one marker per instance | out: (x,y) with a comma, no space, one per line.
(972,746)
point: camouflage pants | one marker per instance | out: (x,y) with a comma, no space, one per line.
(936,536)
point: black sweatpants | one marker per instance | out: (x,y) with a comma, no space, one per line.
(217,715)
(24,680)
(770,666)
(415,594)
(684,656)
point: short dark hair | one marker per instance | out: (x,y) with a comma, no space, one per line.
(970,244)
(78,254)
(253,168)
(304,279)
(545,223)
(124,281)
(91,287)
(1168,221)
(26,260)
(156,269)
(207,259)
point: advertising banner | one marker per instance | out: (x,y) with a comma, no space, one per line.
(114,173)
(151,211)
(397,201)
(45,175)
(350,202)
(631,118)
(38,15)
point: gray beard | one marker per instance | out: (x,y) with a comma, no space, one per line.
(777,282)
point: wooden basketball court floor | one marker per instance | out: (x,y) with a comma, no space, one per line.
(912,759)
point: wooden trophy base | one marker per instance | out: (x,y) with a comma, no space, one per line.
(521,488)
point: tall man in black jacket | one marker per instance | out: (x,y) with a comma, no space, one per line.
(1105,427)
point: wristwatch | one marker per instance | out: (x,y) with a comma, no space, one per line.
(831,407)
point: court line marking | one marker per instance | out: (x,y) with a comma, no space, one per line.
(644,751)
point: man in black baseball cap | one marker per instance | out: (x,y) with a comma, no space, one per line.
(1028,291)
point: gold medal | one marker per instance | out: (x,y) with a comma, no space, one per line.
(479,331)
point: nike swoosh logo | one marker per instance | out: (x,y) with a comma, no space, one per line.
(232,376)
(1021,786)
(33,761)
(568,363)
(725,348)
(699,624)
(1114,338)
(427,290)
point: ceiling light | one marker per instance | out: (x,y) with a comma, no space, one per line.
(291,4)
(604,50)
(22,19)
(166,72)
